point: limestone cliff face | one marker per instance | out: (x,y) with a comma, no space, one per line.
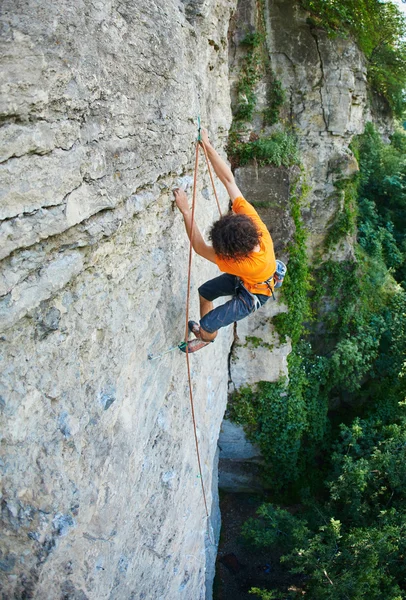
(101,496)
(326,103)
(326,87)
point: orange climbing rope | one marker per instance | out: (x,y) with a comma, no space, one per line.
(188,299)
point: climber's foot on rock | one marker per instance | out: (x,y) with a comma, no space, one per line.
(194,328)
(193,346)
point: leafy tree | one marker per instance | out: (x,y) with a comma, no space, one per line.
(274,526)
(382,206)
(358,550)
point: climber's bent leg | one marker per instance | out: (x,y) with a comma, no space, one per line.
(240,306)
(224,285)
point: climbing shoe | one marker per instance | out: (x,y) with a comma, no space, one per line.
(194,328)
(193,345)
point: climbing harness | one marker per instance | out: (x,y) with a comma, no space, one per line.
(277,277)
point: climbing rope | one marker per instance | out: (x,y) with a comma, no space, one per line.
(198,145)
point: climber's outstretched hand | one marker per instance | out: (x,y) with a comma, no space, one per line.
(181,200)
(204,137)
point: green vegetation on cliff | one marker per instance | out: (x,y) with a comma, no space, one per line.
(334,436)
(280,147)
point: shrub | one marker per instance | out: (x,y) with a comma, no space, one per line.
(278,149)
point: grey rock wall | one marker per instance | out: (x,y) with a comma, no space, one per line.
(101,496)
(239,458)
(326,103)
(325,82)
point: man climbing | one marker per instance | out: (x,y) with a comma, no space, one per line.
(242,249)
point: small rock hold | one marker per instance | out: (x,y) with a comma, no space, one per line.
(107,398)
(123,564)
(47,321)
(7,563)
(69,592)
(62,523)
(13,508)
(63,424)
(68,568)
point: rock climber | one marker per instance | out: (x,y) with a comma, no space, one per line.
(243,250)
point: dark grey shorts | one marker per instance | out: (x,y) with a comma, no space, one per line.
(241,304)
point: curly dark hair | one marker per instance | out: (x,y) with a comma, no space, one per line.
(234,236)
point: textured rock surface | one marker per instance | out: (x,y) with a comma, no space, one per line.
(101,496)
(325,81)
(326,102)
(257,353)
(233,443)
(238,460)
(269,188)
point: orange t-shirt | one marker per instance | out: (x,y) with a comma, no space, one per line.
(257,266)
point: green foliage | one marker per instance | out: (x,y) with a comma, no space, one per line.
(286,420)
(386,74)
(262,411)
(255,66)
(361,548)
(359,310)
(380,30)
(369,469)
(338,288)
(348,541)
(352,359)
(256,342)
(390,363)
(274,526)
(252,70)
(345,221)
(353,564)
(264,594)
(355,320)
(297,282)
(278,149)
(275,97)
(358,549)
(382,205)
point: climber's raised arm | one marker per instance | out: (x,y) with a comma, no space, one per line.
(199,245)
(222,170)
